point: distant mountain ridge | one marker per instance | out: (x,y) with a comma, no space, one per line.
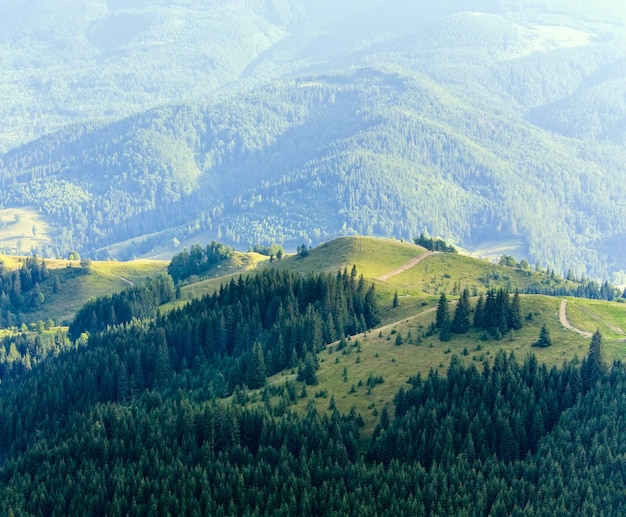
(461,122)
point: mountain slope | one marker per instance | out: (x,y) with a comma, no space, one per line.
(373,151)
(108,59)
(474,121)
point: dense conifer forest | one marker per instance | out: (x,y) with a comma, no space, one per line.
(133,420)
(353,378)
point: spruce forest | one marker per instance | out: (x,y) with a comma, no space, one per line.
(303,257)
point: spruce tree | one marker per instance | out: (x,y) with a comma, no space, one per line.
(593,367)
(544,338)
(308,372)
(479,313)
(461,321)
(515,312)
(257,370)
(443,315)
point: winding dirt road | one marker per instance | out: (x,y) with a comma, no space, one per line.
(406,266)
(566,323)
(129,282)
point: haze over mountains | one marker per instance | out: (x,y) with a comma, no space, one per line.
(297,121)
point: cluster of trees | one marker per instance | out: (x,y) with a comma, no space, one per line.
(21,351)
(249,329)
(136,302)
(582,289)
(273,250)
(434,244)
(497,313)
(270,321)
(20,289)
(197,260)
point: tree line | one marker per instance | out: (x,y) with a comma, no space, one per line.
(497,314)
(21,289)
(136,302)
(197,260)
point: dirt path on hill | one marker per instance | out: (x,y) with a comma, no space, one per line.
(566,323)
(129,282)
(408,265)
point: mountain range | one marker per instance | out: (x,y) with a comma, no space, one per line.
(135,128)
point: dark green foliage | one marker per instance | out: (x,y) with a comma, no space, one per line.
(544,338)
(20,290)
(515,321)
(461,322)
(135,302)
(503,411)
(307,374)
(434,244)
(395,302)
(479,313)
(498,314)
(473,442)
(594,367)
(21,352)
(445,332)
(443,312)
(373,380)
(257,371)
(552,285)
(197,260)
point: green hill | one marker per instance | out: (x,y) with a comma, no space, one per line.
(256,377)
(69,284)
(343,373)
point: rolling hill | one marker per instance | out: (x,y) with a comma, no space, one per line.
(180,385)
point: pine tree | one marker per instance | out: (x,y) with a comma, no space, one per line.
(370,310)
(593,366)
(479,313)
(461,321)
(308,372)
(490,318)
(257,370)
(544,338)
(515,312)
(443,315)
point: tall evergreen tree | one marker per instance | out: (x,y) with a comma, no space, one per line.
(461,322)
(515,312)
(593,367)
(309,375)
(544,338)
(479,313)
(257,370)
(443,314)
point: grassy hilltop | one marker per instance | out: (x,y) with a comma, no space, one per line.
(347,376)
(403,344)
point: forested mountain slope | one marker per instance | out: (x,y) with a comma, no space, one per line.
(473,120)
(372,151)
